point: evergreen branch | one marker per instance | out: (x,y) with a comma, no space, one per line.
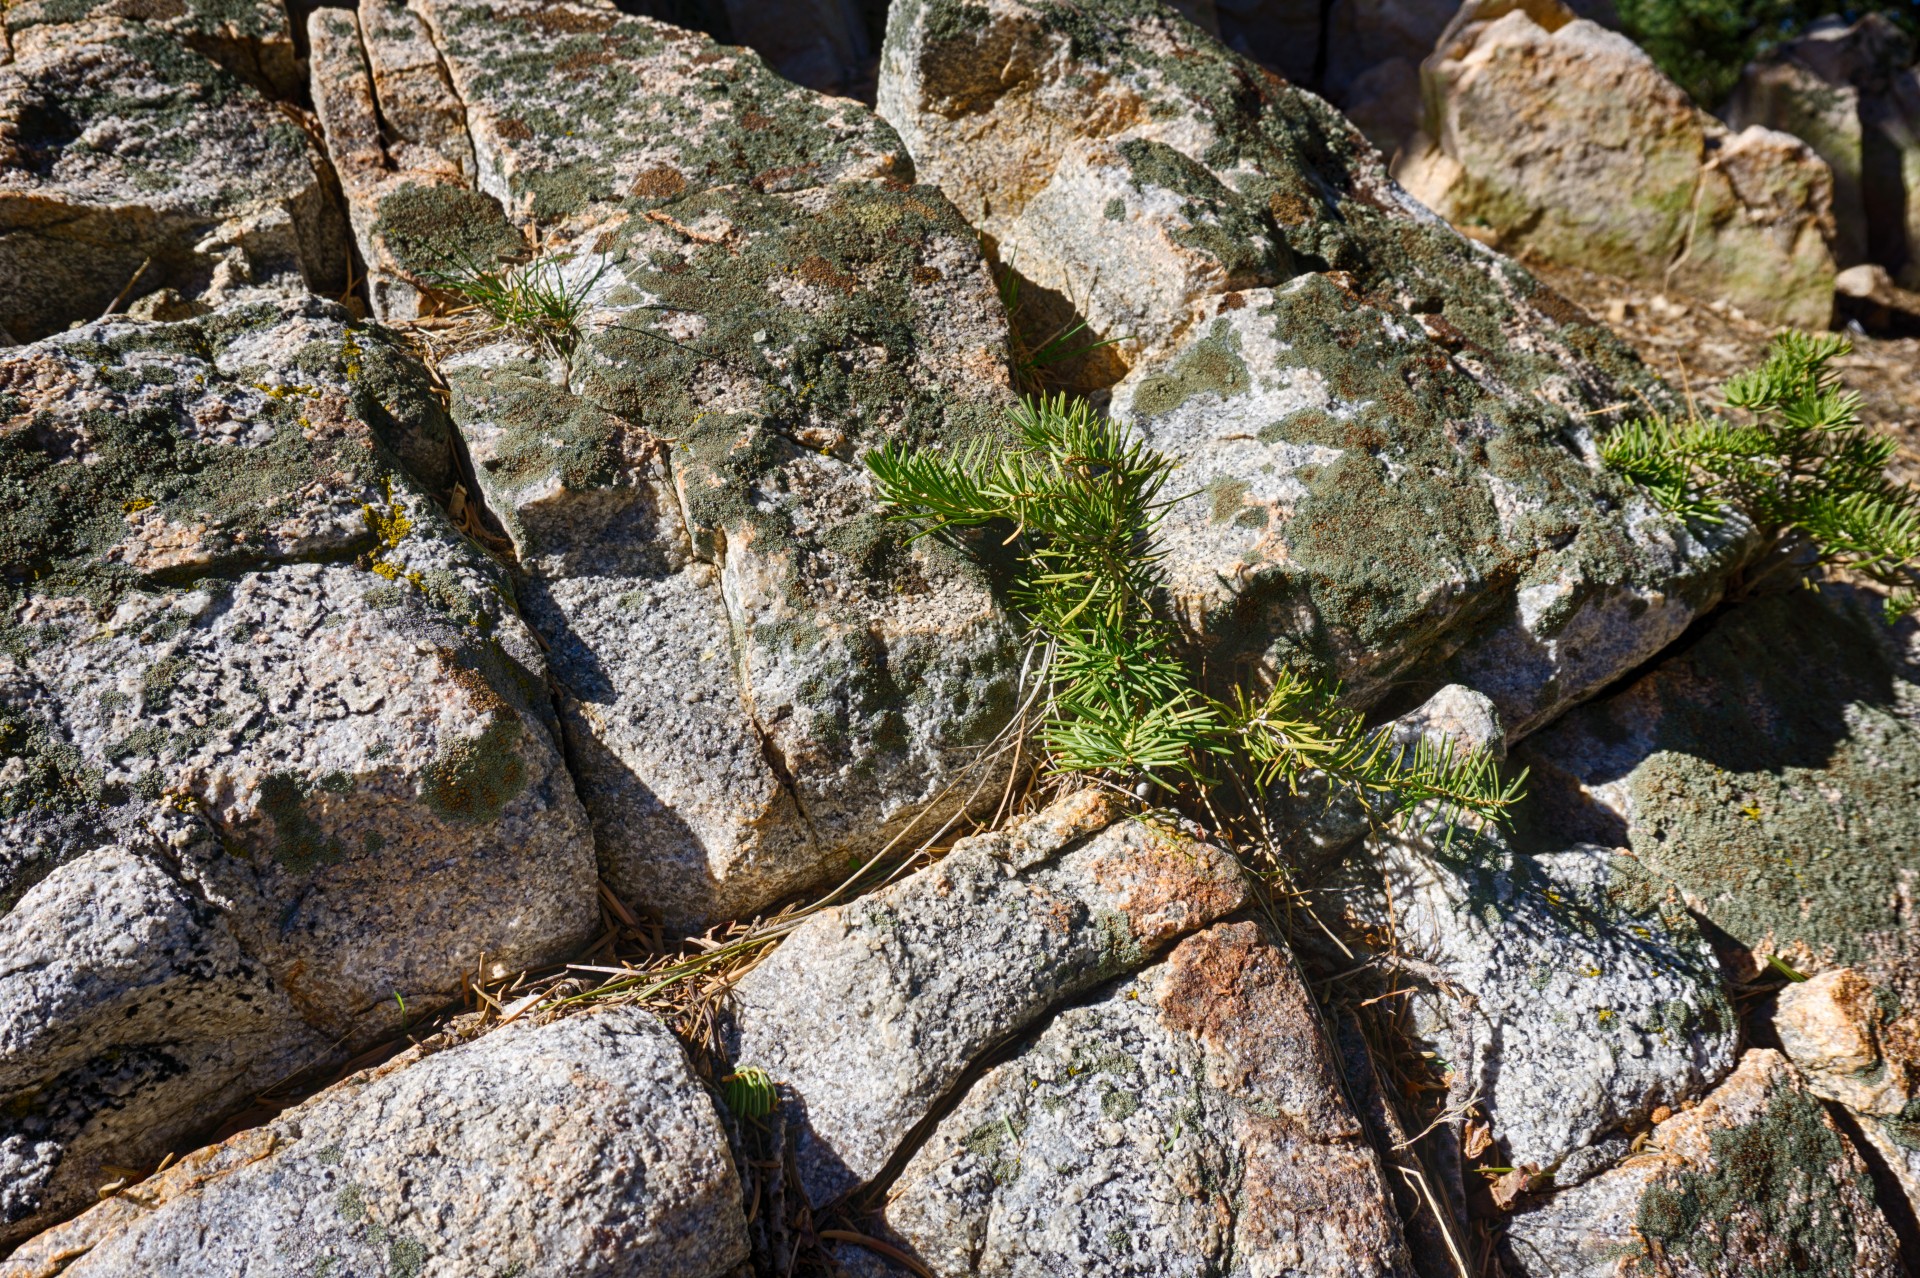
(1803,466)
(1084,498)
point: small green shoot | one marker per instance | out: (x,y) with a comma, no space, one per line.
(1081,498)
(1774,961)
(535,301)
(1802,468)
(1029,360)
(750,1092)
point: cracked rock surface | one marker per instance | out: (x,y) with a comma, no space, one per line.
(583,1147)
(1186,1121)
(1782,805)
(1756,1179)
(1575,994)
(1391,428)
(823,681)
(260,695)
(871,1011)
(131,164)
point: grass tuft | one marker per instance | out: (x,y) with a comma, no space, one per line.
(534,301)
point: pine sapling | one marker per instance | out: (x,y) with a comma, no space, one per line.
(1079,499)
(1801,468)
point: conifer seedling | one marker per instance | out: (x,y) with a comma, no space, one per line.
(1078,498)
(1801,469)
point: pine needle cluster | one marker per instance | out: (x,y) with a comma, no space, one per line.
(1800,467)
(1079,499)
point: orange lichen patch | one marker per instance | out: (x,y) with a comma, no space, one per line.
(51,1253)
(331,415)
(1239,995)
(661,182)
(485,700)
(569,19)
(821,273)
(1168,886)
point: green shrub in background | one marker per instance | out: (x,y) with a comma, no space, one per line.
(1703,44)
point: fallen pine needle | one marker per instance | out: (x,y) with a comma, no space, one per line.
(875,1245)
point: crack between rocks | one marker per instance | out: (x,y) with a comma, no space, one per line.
(1889,1197)
(435,38)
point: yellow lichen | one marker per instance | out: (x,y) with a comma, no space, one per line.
(389,526)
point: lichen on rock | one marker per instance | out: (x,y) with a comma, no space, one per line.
(349,773)
(206,187)
(1756,1180)
(1782,805)
(1392,427)
(1188,1120)
(573,1147)
(1560,136)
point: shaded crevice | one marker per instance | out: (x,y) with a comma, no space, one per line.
(1888,1194)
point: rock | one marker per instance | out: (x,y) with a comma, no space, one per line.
(251,38)
(585,1146)
(570,109)
(260,693)
(1456,714)
(129,1017)
(808,684)
(1859,1047)
(1782,806)
(1188,1120)
(1392,439)
(130,163)
(1866,295)
(1571,993)
(871,1011)
(1851,93)
(397,137)
(1754,1180)
(1564,139)
(766,301)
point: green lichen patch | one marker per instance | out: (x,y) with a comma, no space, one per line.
(1210,366)
(88,482)
(474,780)
(435,230)
(300,842)
(1778,1199)
(1223,224)
(596,107)
(1774,774)
(771,326)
